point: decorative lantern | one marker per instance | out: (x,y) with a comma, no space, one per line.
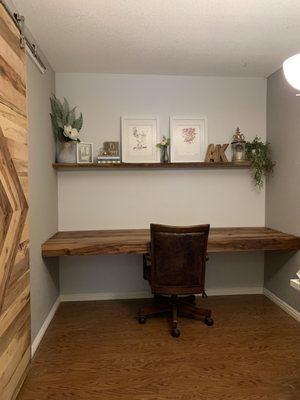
(238,146)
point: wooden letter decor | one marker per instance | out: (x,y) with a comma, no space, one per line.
(15,339)
(216,153)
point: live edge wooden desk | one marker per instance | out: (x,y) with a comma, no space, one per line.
(137,241)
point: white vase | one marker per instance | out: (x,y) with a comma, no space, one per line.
(66,152)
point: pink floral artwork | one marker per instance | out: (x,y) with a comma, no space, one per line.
(189,135)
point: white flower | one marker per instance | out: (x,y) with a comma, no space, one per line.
(71,133)
(67,130)
(74,134)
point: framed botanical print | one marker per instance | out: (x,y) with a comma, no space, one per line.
(84,153)
(139,138)
(189,139)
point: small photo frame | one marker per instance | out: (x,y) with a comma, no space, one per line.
(139,138)
(84,153)
(189,138)
(111,149)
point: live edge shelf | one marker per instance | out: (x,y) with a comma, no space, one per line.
(181,165)
(137,241)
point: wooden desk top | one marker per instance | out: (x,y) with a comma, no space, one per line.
(126,241)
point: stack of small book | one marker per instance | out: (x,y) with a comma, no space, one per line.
(108,159)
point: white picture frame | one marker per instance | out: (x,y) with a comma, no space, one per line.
(189,138)
(139,137)
(84,153)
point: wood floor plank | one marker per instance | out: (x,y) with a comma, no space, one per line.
(97,350)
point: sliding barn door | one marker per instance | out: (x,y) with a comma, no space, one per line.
(14,256)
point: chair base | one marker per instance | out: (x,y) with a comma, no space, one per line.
(185,306)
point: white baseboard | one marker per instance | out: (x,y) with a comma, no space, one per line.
(235,291)
(105,296)
(147,294)
(41,333)
(295,283)
(282,304)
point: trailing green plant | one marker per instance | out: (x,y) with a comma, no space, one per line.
(65,125)
(259,155)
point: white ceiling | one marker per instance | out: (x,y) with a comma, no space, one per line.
(182,37)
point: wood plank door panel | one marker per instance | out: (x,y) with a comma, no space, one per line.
(15,340)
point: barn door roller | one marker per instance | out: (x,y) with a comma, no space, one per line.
(21,23)
(25,43)
(31,48)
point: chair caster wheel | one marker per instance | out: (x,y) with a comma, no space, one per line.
(209,321)
(175,333)
(142,320)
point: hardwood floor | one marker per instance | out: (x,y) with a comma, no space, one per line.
(97,350)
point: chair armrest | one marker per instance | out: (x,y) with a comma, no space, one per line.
(147,257)
(146,266)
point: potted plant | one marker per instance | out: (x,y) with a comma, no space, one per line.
(66,128)
(163,146)
(259,155)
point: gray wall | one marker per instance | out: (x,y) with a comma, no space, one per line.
(283,189)
(133,199)
(43,194)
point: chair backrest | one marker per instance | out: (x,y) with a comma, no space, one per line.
(178,257)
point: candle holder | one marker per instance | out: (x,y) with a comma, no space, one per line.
(238,146)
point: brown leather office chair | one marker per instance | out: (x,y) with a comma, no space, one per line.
(176,266)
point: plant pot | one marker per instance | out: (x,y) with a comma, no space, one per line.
(66,152)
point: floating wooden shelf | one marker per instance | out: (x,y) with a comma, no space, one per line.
(137,241)
(183,165)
